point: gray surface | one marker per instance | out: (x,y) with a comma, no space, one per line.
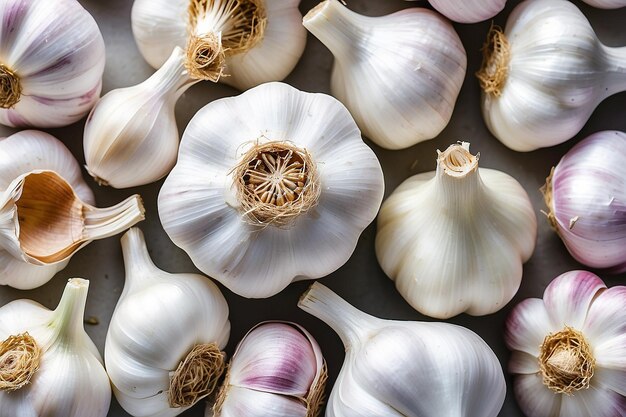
(360,281)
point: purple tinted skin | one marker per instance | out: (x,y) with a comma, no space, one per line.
(13,17)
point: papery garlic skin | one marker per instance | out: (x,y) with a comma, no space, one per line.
(606,4)
(70,380)
(399,75)
(54,54)
(552,74)
(159,319)
(454,240)
(580,301)
(468,11)
(407,369)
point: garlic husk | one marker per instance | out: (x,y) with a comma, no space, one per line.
(399,75)
(131,137)
(279,38)
(210,208)
(586,199)
(545,75)
(468,11)
(454,240)
(277,370)
(67,378)
(568,351)
(165,330)
(606,4)
(407,369)
(51,71)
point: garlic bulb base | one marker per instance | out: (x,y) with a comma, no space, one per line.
(495,66)
(19,360)
(10,88)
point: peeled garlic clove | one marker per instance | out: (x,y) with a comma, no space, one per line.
(468,11)
(399,75)
(48,364)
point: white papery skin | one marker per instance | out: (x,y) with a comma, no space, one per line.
(407,369)
(468,11)
(578,299)
(558,73)
(158,320)
(71,380)
(200,211)
(399,75)
(57,51)
(606,4)
(161,25)
(456,242)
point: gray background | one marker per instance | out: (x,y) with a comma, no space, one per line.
(360,280)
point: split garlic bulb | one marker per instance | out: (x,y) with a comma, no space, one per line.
(569,355)
(544,76)
(468,11)
(51,65)
(249,41)
(399,75)
(270,187)
(164,346)
(277,371)
(454,240)
(606,4)
(404,368)
(46,210)
(48,364)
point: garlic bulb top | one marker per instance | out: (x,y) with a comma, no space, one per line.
(48,364)
(243,43)
(544,76)
(454,240)
(407,369)
(51,62)
(163,347)
(468,11)
(272,186)
(607,4)
(399,75)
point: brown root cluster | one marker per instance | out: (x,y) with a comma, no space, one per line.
(19,360)
(10,88)
(315,398)
(546,190)
(495,66)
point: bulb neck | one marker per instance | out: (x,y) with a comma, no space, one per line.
(138,265)
(457,178)
(10,88)
(616,71)
(67,318)
(173,78)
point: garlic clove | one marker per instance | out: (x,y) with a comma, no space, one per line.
(25,276)
(468,11)
(592,402)
(606,326)
(606,4)
(251,403)
(533,397)
(530,323)
(523,363)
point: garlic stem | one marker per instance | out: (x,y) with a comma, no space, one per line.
(101,223)
(137,262)
(458,180)
(67,319)
(616,70)
(336,27)
(173,76)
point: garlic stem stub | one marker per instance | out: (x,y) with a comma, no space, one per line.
(48,364)
(543,77)
(568,355)
(404,368)
(399,75)
(270,187)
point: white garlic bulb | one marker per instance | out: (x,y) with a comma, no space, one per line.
(163,348)
(249,41)
(50,70)
(606,4)
(48,364)
(46,209)
(277,371)
(399,75)
(270,187)
(544,76)
(406,368)
(454,240)
(468,11)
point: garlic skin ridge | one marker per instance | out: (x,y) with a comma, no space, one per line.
(454,240)
(399,75)
(469,11)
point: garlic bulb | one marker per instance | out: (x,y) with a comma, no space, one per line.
(277,371)
(569,355)
(404,368)
(131,137)
(586,198)
(399,75)
(606,4)
(248,41)
(46,210)
(50,70)
(544,76)
(270,187)
(454,240)
(468,11)
(48,364)
(163,348)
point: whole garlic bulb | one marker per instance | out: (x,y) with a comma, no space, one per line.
(468,11)
(544,76)
(399,75)
(606,4)
(270,187)
(51,65)
(250,41)
(454,240)
(277,370)
(46,210)
(404,368)
(163,348)
(48,364)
